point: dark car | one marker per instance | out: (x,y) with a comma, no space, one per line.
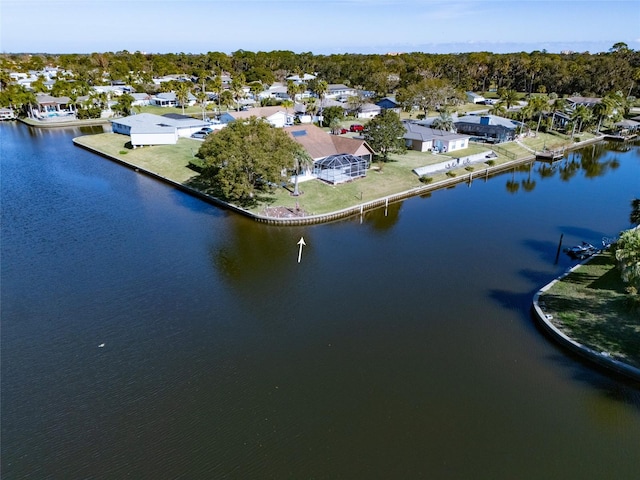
(356,128)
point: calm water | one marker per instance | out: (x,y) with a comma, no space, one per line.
(401,346)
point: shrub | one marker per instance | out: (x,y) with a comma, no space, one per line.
(491,163)
(196,164)
(451,174)
(123,152)
(469,168)
(425,179)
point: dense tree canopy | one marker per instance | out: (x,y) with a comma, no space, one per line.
(384,134)
(589,74)
(246,157)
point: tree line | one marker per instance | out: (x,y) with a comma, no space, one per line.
(587,74)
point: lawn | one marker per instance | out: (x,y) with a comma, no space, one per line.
(170,161)
(393,176)
(589,305)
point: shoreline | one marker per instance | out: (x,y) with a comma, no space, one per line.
(355,210)
(64,123)
(601,359)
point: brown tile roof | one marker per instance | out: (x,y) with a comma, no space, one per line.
(320,144)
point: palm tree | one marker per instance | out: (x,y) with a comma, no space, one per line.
(558,105)
(292,90)
(537,105)
(509,98)
(217,88)
(322,87)
(202,99)
(603,109)
(237,88)
(302,160)
(287,104)
(182,94)
(498,109)
(444,121)
(581,115)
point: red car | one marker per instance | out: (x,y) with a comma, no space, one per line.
(356,128)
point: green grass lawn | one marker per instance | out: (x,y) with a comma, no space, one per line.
(170,161)
(391,177)
(590,306)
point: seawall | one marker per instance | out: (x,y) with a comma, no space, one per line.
(602,359)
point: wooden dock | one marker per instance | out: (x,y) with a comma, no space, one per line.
(550,155)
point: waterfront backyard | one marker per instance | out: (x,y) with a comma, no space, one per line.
(383,179)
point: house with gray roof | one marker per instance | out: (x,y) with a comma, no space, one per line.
(489,127)
(425,139)
(276,115)
(150,129)
(169,99)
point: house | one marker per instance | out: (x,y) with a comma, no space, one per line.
(169,99)
(489,127)
(276,90)
(368,110)
(299,80)
(141,99)
(424,139)
(49,106)
(339,91)
(321,145)
(150,129)
(474,97)
(573,102)
(277,116)
(389,103)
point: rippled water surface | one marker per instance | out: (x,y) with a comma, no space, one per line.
(401,346)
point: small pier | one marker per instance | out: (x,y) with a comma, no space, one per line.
(550,155)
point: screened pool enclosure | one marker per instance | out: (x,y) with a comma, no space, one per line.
(340,168)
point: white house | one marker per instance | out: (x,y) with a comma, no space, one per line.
(150,129)
(424,139)
(276,116)
(338,90)
(474,97)
(169,99)
(369,110)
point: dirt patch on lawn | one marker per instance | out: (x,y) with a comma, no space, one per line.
(284,212)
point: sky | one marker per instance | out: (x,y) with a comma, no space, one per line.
(317,26)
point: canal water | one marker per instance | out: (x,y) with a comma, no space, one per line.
(146,334)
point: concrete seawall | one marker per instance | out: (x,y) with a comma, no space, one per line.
(355,210)
(603,359)
(321,218)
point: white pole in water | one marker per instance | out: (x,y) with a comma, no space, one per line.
(301,243)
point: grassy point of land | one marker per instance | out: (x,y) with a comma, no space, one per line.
(391,177)
(589,305)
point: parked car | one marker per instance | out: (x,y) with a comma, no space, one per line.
(199,134)
(356,128)
(206,130)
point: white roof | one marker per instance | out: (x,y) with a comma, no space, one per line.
(148,120)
